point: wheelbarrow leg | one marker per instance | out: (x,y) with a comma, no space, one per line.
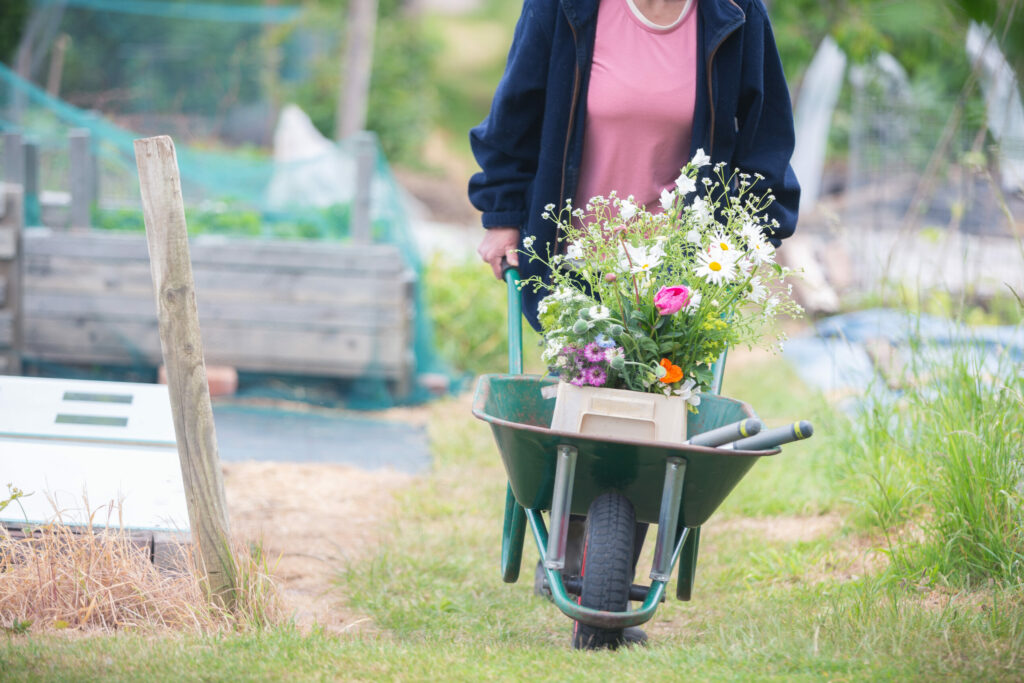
(512,538)
(688,563)
(561,506)
(668,519)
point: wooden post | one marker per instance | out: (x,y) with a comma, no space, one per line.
(80,170)
(11,269)
(364,148)
(53,78)
(178,319)
(354,92)
(14,159)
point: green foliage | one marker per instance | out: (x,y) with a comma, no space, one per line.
(12,23)
(468,307)
(331,223)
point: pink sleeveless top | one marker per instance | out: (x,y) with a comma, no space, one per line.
(643,85)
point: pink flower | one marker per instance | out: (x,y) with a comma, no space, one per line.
(668,300)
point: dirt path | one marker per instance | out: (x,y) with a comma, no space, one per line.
(312,520)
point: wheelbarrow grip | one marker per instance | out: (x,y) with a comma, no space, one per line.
(731,432)
(510,274)
(774,437)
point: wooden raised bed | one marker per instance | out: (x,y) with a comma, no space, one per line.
(335,310)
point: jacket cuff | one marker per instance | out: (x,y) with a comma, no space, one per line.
(503,219)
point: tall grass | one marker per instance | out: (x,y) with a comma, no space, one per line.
(60,577)
(940,470)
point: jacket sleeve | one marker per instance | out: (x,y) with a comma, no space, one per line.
(765,136)
(507,143)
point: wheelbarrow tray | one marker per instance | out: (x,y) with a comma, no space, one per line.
(520,416)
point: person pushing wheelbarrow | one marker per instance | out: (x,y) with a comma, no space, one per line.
(610,99)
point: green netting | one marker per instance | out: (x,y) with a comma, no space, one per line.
(215,77)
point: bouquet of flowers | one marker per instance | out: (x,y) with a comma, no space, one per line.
(648,301)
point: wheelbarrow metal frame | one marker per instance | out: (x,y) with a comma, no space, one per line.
(676,543)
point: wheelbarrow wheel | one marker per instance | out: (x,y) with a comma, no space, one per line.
(607,570)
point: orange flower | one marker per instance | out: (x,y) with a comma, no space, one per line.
(673,373)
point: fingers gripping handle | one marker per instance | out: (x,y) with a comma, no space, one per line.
(774,437)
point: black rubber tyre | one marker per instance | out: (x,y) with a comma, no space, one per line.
(607,570)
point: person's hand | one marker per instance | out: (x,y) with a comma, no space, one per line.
(499,243)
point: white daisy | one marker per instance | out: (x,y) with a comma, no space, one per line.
(693,236)
(721,244)
(640,259)
(751,232)
(714,268)
(757,290)
(574,252)
(761,251)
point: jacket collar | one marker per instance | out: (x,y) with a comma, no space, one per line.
(579,12)
(721,17)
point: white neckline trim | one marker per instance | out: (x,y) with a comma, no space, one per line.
(658,27)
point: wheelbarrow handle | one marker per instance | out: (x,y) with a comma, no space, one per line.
(515,318)
(731,432)
(774,437)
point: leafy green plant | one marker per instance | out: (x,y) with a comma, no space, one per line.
(468,307)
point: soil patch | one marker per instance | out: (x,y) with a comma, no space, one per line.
(313,520)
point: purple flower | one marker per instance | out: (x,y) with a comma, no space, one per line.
(593,353)
(578,381)
(595,376)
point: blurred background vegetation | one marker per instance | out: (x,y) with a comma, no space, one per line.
(435,71)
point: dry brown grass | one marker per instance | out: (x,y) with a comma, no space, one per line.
(99,579)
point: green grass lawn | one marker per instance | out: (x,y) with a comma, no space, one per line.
(768,604)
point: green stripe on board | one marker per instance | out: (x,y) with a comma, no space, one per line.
(101,420)
(97,398)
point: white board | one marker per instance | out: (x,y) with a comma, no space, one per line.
(85,449)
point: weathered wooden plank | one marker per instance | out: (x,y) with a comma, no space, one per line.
(6,329)
(8,242)
(222,252)
(59,274)
(336,353)
(3,287)
(366,316)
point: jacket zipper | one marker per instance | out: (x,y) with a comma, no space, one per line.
(711,92)
(568,134)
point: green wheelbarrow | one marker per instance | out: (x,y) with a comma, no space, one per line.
(615,483)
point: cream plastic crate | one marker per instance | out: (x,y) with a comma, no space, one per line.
(619,413)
